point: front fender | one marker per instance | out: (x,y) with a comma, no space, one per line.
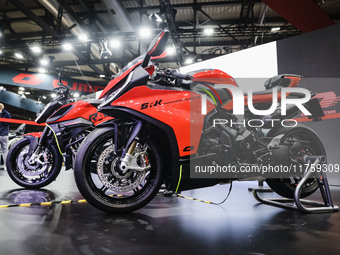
(34,134)
(34,141)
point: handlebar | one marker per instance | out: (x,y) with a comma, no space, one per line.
(181,76)
(173,74)
(171,77)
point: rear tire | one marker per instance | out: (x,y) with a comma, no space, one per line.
(284,186)
(109,199)
(29,176)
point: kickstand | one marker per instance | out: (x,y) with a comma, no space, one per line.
(297,203)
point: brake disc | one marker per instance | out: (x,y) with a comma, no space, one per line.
(30,170)
(112,178)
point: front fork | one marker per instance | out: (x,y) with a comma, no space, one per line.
(129,158)
(35,148)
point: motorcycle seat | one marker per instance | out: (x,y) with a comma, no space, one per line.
(265,92)
(282,80)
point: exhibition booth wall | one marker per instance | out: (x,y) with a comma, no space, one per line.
(315,56)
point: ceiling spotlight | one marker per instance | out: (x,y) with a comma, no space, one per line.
(53,95)
(36,49)
(18,55)
(1,52)
(21,88)
(102,76)
(188,61)
(208,31)
(76,94)
(2,88)
(20,92)
(114,43)
(275,29)
(145,32)
(67,46)
(83,37)
(44,62)
(170,50)
(42,70)
(27,93)
(44,97)
(0,34)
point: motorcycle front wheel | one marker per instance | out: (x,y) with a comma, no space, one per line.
(38,174)
(101,183)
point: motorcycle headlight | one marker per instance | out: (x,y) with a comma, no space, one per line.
(116,93)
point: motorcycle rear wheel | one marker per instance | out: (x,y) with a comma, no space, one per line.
(285,186)
(96,192)
(32,176)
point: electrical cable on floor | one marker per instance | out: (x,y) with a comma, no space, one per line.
(208,202)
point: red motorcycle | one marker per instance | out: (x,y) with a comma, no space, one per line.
(36,160)
(159,132)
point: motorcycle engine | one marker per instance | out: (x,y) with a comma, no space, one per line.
(244,145)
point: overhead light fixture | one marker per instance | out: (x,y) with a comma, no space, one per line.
(2,88)
(102,76)
(27,93)
(170,50)
(1,52)
(36,49)
(67,46)
(53,95)
(21,92)
(83,38)
(188,61)
(114,43)
(44,62)
(22,88)
(145,32)
(275,29)
(18,55)
(208,31)
(44,97)
(42,70)
(76,94)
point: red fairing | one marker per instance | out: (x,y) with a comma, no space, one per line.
(173,109)
(294,80)
(214,76)
(82,109)
(35,134)
(115,81)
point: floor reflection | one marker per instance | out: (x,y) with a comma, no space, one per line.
(168,225)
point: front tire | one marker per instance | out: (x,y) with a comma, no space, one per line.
(32,176)
(111,192)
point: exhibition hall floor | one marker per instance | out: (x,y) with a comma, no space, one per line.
(168,225)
